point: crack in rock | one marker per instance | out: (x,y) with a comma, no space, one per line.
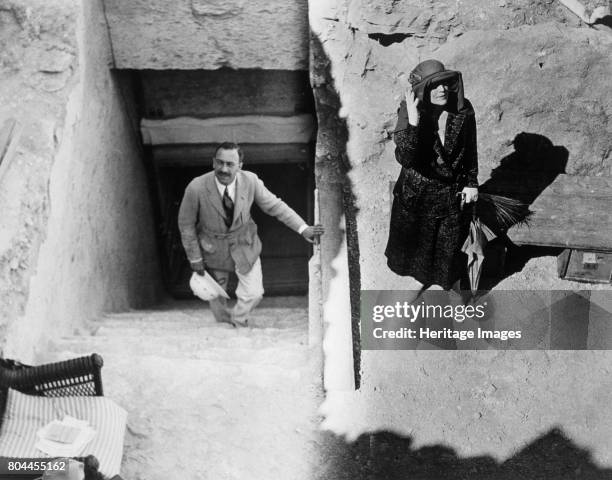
(53,60)
(388,39)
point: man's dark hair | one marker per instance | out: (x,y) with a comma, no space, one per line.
(230,146)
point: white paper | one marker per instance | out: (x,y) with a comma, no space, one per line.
(59,449)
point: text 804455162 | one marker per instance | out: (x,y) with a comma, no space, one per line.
(29,466)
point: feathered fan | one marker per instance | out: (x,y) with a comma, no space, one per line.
(500,212)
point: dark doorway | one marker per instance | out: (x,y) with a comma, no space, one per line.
(285,254)
(287,169)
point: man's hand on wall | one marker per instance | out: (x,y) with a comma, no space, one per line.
(198,267)
(313,233)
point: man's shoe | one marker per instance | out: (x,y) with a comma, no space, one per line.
(226,319)
(240,323)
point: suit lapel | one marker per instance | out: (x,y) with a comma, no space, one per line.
(213,194)
(453,128)
(240,196)
(439,149)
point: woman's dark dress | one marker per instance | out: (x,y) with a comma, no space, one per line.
(428,227)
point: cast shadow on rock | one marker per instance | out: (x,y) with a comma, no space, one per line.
(387,456)
(523,175)
(607,21)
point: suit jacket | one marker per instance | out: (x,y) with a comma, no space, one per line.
(203,230)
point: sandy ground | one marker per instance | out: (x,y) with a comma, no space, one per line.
(205,400)
(501,414)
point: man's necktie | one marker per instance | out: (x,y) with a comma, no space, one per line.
(228,207)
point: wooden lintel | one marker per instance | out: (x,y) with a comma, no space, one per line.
(260,153)
(300,128)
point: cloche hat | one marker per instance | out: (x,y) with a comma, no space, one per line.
(429,74)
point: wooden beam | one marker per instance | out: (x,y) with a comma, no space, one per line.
(240,129)
(257,153)
(572,212)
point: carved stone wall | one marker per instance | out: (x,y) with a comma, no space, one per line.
(204,34)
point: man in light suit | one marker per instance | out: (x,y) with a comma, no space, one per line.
(219,234)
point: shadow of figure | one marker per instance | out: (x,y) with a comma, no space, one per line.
(522,175)
(388,456)
(607,21)
(526,172)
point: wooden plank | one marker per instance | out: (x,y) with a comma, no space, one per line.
(571,212)
(258,153)
(241,129)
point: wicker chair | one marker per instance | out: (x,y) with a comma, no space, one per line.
(79,376)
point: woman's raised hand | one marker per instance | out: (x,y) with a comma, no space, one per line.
(412,104)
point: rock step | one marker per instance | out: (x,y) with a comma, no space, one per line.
(115,364)
(277,318)
(145,348)
(178,343)
(109,329)
(192,334)
(106,329)
(195,313)
(257,338)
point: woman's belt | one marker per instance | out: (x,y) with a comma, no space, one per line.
(225,235)
(418,178)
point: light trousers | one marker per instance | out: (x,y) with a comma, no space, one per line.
(248,293)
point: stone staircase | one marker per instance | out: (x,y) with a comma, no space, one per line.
(206,400)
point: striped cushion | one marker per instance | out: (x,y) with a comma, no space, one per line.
(26,414)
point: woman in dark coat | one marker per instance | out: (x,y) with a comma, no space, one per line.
(438,176)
